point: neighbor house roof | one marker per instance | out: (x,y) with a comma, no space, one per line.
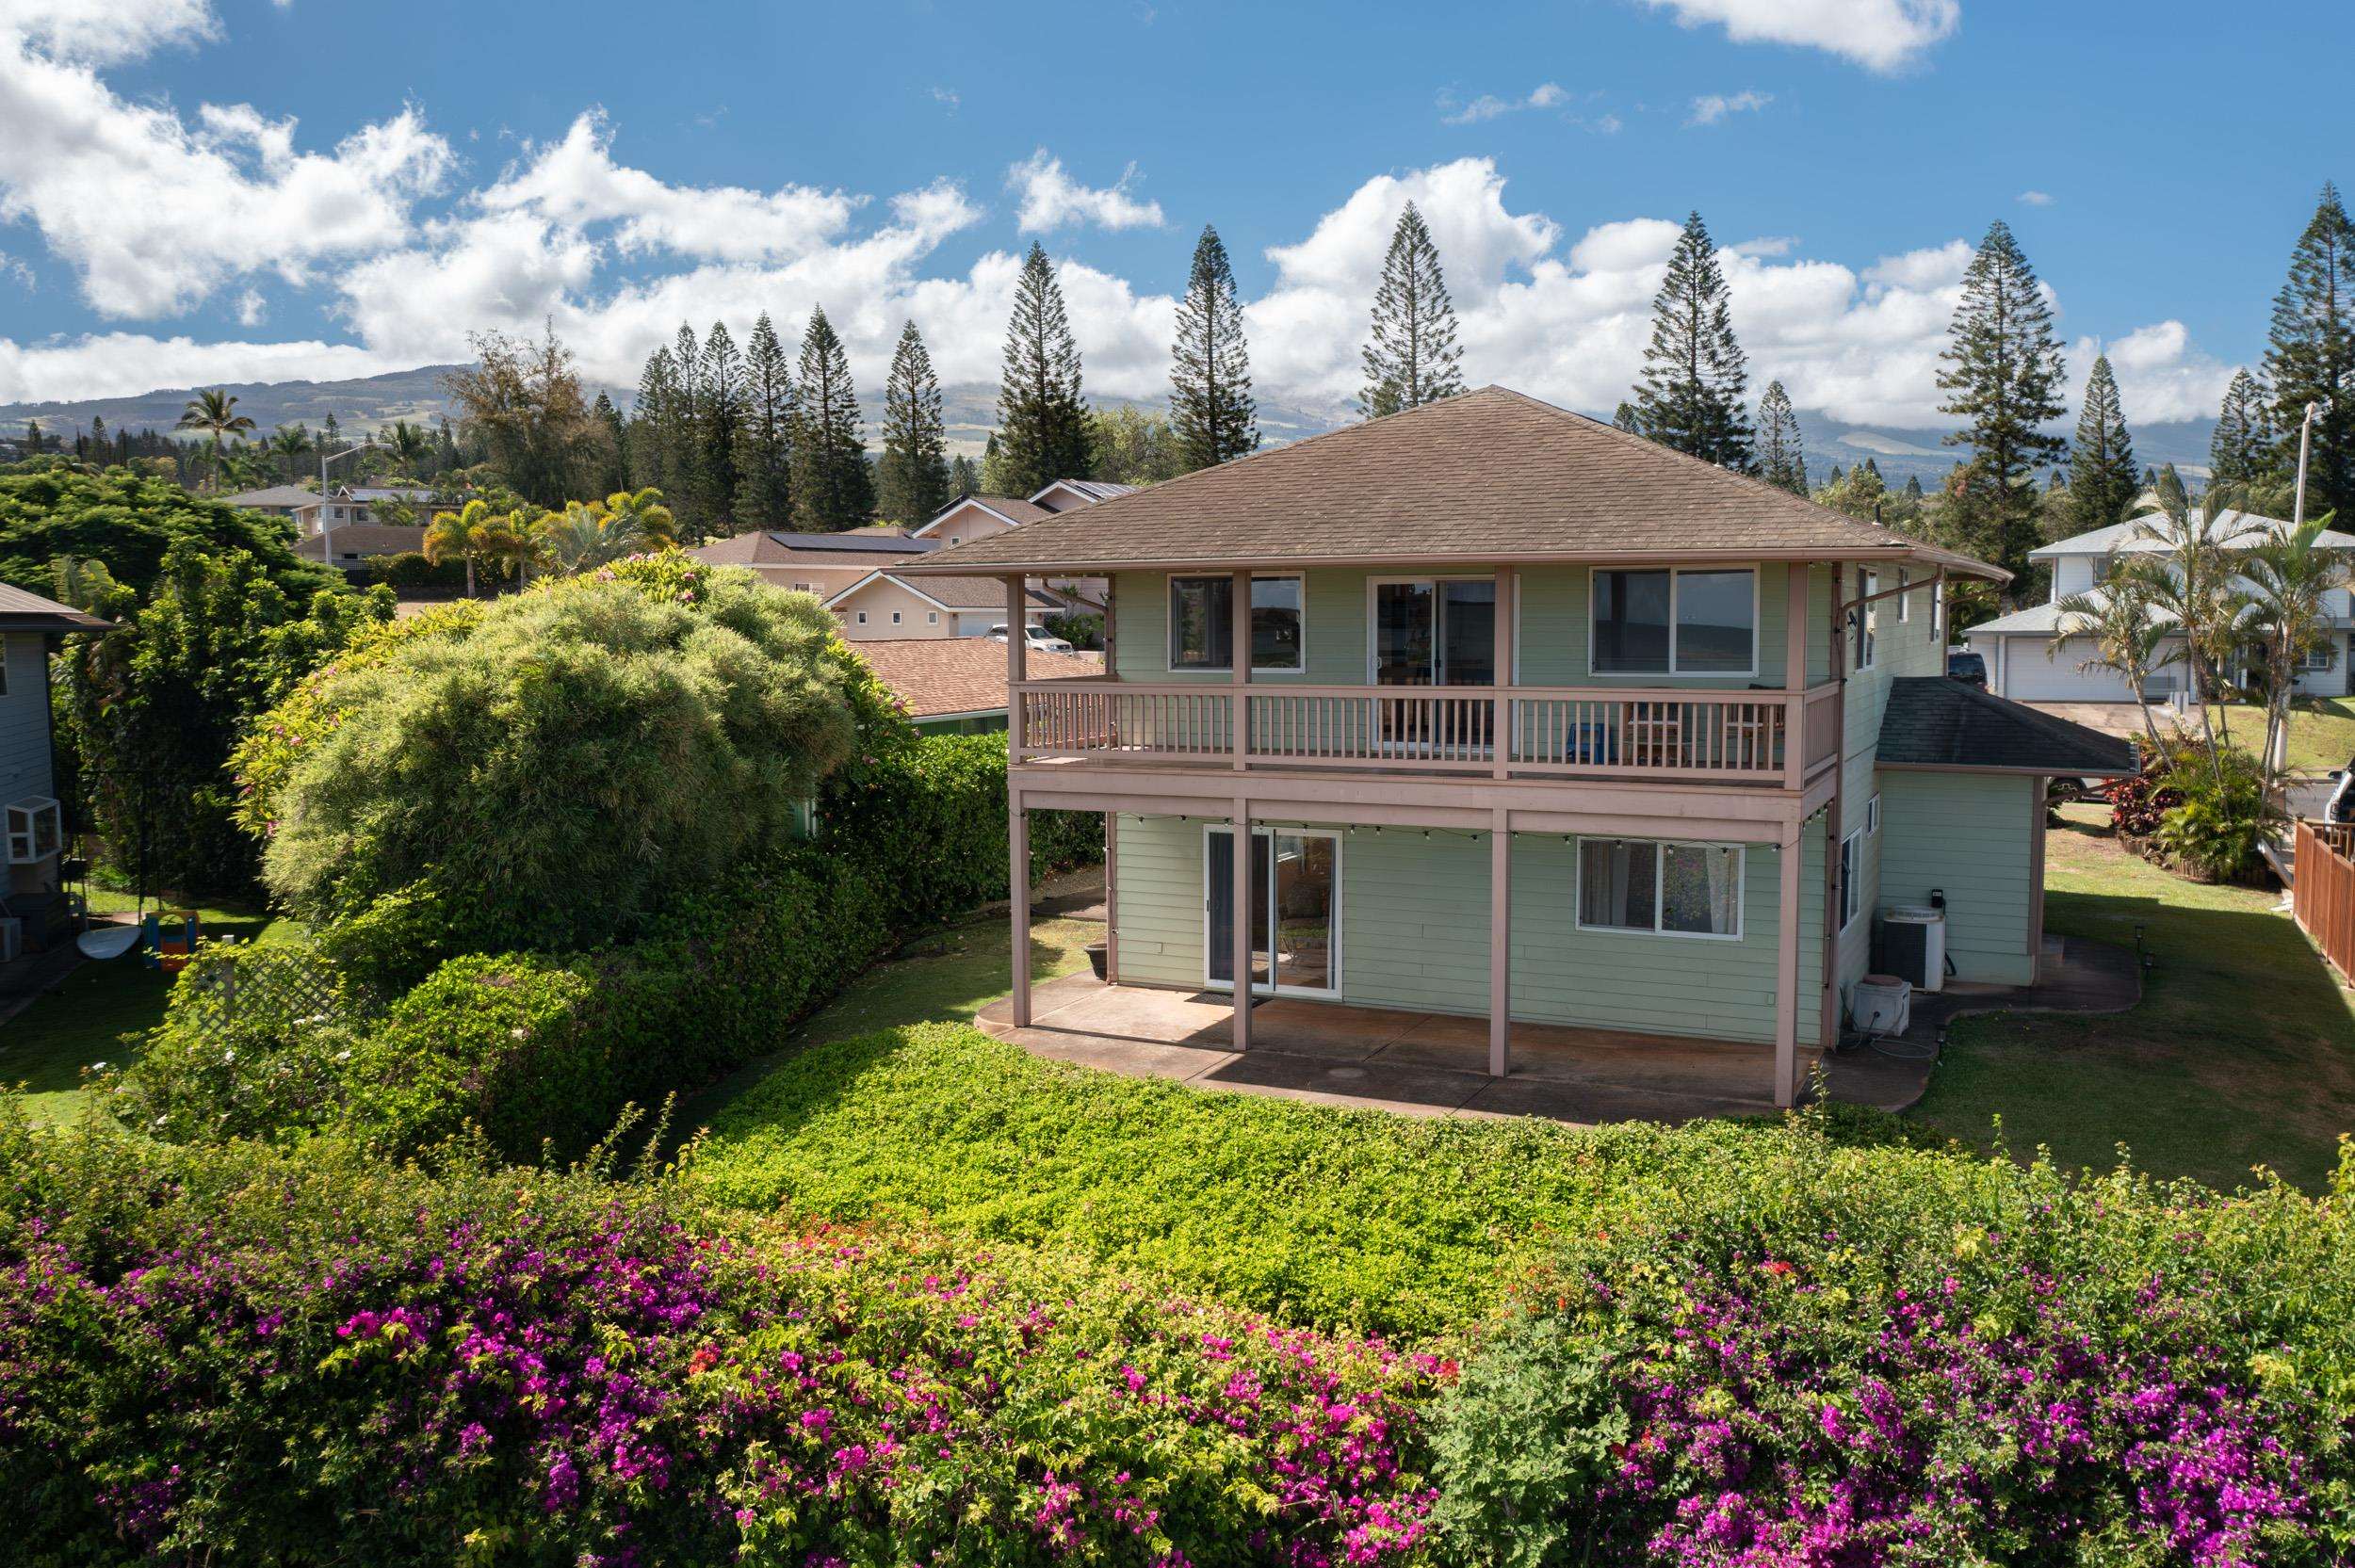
(941,676)
(21,611)
(2236,530)
(1491,476)
(1008,509)
(276,495)
(1094,489)
(1934,723)
(949,593)
(780,547)
(363,539)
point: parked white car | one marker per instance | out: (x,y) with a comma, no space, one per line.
(1037,637)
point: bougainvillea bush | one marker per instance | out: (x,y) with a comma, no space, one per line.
(1829,1357)
(238,1355)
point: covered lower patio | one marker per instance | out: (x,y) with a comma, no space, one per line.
(1426,1063)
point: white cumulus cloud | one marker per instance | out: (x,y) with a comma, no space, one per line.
(1710,107)
(1051,199)
(1879,35)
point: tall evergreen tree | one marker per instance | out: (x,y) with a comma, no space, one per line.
(2102,481)
(1210,407)
(2003,380)
(831,487)
(1694,371)
(1411,359)
(1042,420)
(1782,459)
(682,433)
(2310,356)
(2241,450)
(764,455)
(649,422)
(1624,417)
(719,427)
(964,479)
(912,479)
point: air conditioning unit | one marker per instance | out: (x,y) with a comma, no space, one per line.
(1913,946)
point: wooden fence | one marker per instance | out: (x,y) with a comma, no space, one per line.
(2324,892)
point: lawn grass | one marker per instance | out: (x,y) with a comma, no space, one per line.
(1365,1220)
(2242,1052)
(2322,730)
(84,1021)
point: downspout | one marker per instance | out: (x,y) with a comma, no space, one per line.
(1827,1033)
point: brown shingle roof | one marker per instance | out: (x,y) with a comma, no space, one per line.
(956,593)
(961,674)
(363,539)
(21,611)
(859,547)
(1489,476)
(1013,509)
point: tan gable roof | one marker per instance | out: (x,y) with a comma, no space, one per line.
(1489,476)
(956,593)
(366,539)
(1011,510)
(961,674)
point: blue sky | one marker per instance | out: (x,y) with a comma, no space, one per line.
(450,167)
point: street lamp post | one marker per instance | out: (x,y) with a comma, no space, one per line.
(327,529)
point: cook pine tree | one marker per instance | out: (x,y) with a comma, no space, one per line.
(1781,457)
(764,444)
(2241,451)
(911,479)
(2003,380)
(649,421)
(1694,373)
(1411,358)
(2310,358)
(1211,412)
(2103,483)
(1043,431)
(719,427)
(832,487)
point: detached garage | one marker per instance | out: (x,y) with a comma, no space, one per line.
(2023,664)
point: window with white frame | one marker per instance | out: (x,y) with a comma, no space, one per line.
(1937,608)
(862,617)
(932,618)
(1701,620)
(1202,623)
(36,829)
(895,617)
(1867,620)
(1872,815)
(1905,599)
(2318,656)
(1658,886)
(1851,878)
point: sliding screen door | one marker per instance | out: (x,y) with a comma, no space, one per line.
(1295,897)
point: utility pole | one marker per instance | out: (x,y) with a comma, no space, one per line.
(2305,445)
(327,527)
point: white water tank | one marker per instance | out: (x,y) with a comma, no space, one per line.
(1881,1005)
(1914,939)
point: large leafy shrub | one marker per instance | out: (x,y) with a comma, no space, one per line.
(565,763)
(150,713)
(53,510)
(237,1356)
(2222,814)
(1824,1355)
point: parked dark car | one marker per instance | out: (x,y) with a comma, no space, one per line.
(1967,667)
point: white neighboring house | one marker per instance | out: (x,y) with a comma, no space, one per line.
(2016,646)
(884,605)
(973,517)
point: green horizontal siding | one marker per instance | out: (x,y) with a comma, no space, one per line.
(1415,934)
(1972,835)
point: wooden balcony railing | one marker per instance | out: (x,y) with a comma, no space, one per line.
(1769,737)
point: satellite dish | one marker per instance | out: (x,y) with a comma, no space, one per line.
(107,941)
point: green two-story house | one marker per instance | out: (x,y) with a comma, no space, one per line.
(1490,709)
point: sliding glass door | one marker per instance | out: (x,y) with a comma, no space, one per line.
(1434,631)
(1295,904)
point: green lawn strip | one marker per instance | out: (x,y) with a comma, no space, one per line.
(2242,1052)
(1356,1218)
(948,979)
(2322,730)
(84,1021)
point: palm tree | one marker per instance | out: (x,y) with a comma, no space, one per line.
(292,443)
(2192,583)
(2289,579)
(215,411)
(408,446)
(585,536)
(475,533)
(2127,635)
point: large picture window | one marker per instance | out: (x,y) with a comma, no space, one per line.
(1675,621)
(1640,884)
(1202,623)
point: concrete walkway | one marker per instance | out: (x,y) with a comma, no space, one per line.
(1421,1063)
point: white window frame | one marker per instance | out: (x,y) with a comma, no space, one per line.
(1373,632)
(862,617)
(1937,608)
(1905,598)
(2319,658)
(1169,639)
(895,617)
(1333,919)
(1867,647)
(1872,815)
(932,618)
(1676,575)
(1660,888)
(1851,878)
(26,838)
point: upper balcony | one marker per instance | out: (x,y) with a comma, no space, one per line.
(1773,739)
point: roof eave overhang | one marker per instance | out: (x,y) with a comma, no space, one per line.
(2024,772)
(941,565)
